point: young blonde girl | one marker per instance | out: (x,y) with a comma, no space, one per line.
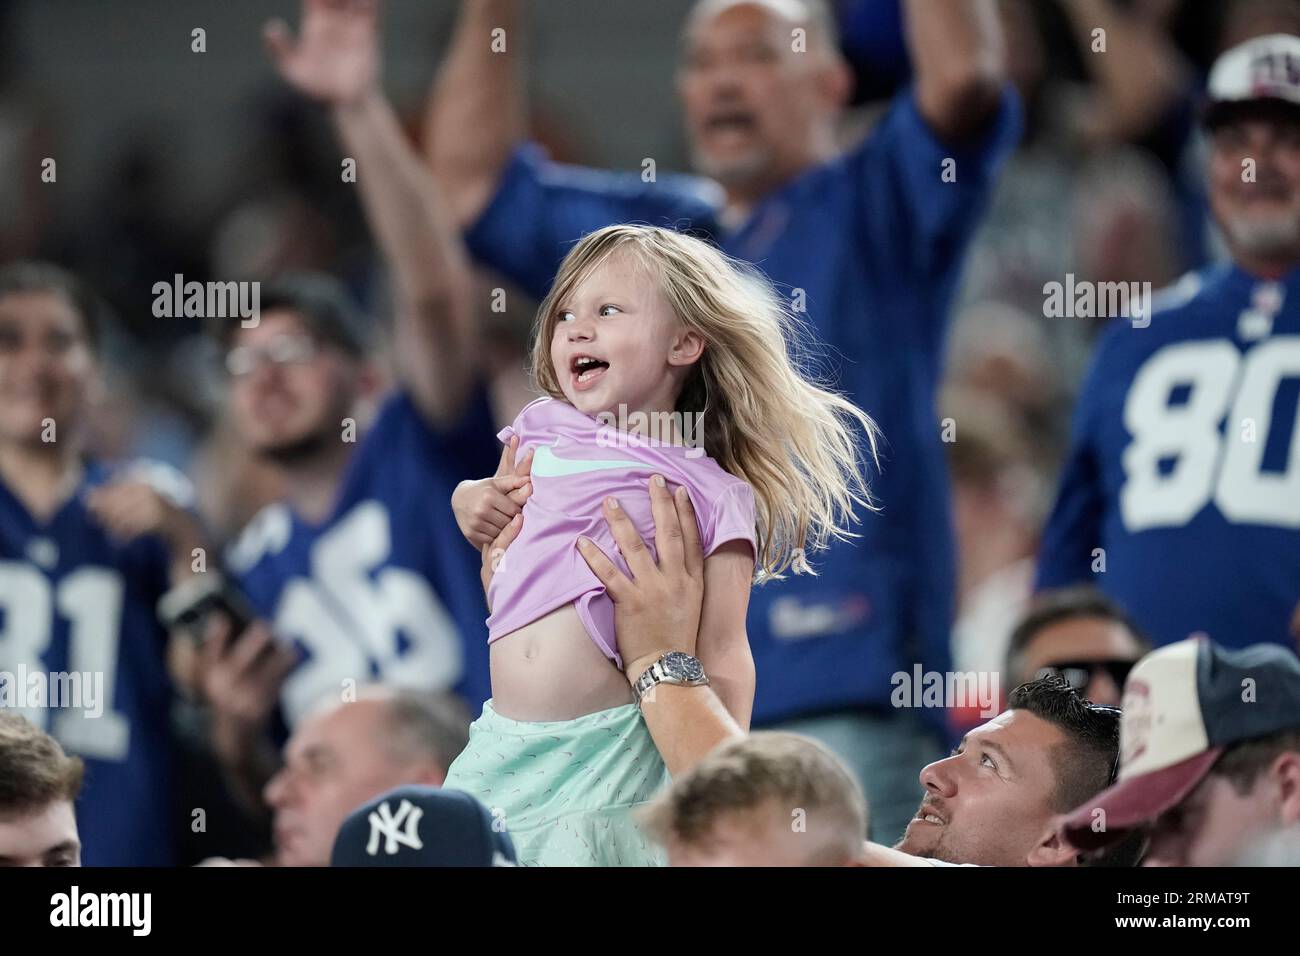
(642,327)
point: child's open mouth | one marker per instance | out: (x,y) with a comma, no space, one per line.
(586,371)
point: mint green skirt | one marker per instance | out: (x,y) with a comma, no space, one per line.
(565,790)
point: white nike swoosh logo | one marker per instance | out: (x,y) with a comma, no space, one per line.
(547,464)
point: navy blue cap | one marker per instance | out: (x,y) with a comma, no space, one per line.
(423,826)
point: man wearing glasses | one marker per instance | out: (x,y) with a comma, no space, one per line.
(1079,635)
(359,575)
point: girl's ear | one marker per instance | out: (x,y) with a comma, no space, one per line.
(687,347)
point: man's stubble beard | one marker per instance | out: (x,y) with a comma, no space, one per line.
(308,448)
(927,852)
(935,851)
(317,442)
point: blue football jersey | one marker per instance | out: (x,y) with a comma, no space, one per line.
(386,588)
(78,629)
(1180,497)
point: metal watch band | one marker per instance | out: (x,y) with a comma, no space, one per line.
(655,674)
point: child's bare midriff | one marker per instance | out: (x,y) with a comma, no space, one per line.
(552,670)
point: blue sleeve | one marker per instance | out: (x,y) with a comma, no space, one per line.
(1074,526)
(470,441)
(916,202)
(147,569)
(542,208)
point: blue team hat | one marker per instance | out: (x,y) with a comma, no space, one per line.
(422,826)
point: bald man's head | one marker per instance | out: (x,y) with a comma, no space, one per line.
(762,85)
(344,754)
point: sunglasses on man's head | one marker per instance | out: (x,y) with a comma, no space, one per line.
(1116,713)
(1079,674)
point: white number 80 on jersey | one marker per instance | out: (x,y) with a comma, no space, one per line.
(1210,465)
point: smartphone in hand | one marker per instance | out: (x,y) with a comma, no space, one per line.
(186,606)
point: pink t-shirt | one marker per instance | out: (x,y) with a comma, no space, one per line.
(577,462)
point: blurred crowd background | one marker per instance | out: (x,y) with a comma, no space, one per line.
(204,164)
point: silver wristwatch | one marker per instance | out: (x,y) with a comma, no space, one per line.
(671,668)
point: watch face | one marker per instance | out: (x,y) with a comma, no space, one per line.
(682,666)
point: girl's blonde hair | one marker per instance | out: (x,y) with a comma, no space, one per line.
(764,420)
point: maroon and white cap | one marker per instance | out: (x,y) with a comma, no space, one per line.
(1183,704)
(1262,68)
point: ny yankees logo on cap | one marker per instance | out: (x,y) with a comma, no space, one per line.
(423,826)
(384,823)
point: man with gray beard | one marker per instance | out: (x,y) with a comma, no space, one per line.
(1181,493)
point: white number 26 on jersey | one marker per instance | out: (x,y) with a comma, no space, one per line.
(1210,465)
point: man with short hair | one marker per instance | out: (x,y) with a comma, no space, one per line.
(343,755)
(359,573)
(995,800)
(355,567)
(39,784)
(769,799)
(1210,756)
(1079,635)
